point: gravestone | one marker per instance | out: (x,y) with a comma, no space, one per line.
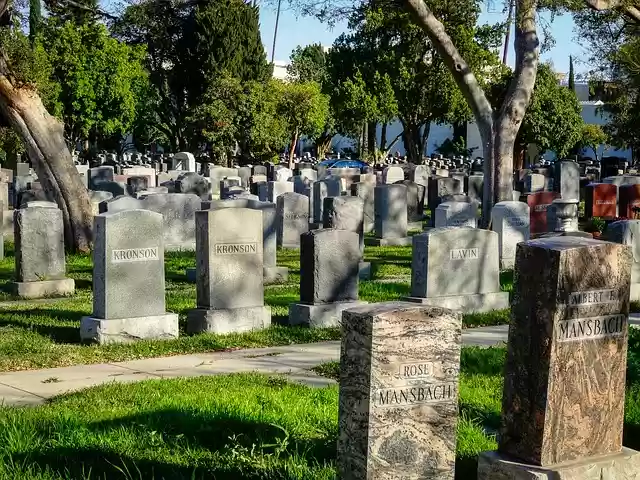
(100,174)
(474,187)
(415,204)
(420,175)
(567,179)
(229,272)
(283,175)
(271,272)
(39,252)
(390,226)
(538,204)
(365,191)
(128,265)
(245,175)
(329,261)
(627,232)
(187,160)
(398,403)
(601,200)
(136,184)
(392,175)
(457,268)
(292,211)
(629,201)
(259,170)
(347,213)
(534,182)
(275,189)
(309,173)
(510,220)
(440,187)
(457,214)
(329,187)
(564,388)
(178,211)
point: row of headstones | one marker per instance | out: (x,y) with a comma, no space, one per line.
(564,379)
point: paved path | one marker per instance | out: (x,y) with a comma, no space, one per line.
(34,387)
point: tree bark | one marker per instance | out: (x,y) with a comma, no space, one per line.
(43,136)
(292,148)
(518,97)
(371,139)
(423,142)
(383,137)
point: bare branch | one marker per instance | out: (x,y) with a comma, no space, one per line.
(601,5)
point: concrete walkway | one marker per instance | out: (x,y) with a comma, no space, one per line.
(34,387)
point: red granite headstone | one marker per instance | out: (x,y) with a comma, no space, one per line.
(538,203)
(628,199)
(601,200)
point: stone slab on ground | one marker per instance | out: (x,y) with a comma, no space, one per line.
(619,466)
(125,330)
(228,320)
(320,315)
(478,302)
(46,288)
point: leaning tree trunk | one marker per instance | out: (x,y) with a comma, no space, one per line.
(43,136)
(498,136)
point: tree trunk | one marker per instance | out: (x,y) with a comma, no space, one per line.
(43,136)
(497,138)
(423,142)
(364,153)
(383,137)
(371,139)
(292,148)
(323,143)
(412,138)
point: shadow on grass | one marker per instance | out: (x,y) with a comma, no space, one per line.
(229,446)
(57,333)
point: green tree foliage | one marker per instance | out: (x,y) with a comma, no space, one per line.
(308,63)
(572,78)
(35,18)
(386,47)
(305,110)
(100,79)
(80,12)
(553,120)
(592,136)
(190,45)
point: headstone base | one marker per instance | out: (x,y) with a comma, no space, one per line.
(620,466)
(61,287)
(321,315)
(476,302)
(414,226)
(228,320)
(566,234)
(364,271)
(388,242)
(127,330)
(275,274)
(183,247)
(507,263)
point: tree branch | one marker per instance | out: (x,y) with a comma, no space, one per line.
(601,5)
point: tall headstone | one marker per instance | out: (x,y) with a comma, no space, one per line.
(390,205)
(440,187)
(601,200)
(275,189)
(187,160)
(510,220)
(329,267)
(39,259)
(398,403)
(564,388)
(292,210)
(365,191)
(272,273)
(538,204)
(415,204)
(128,263)
(329,187)
(629,201)
(458,268)
(567,179)
(229,272)
(627,232)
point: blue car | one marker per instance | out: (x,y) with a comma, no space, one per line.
(337,163)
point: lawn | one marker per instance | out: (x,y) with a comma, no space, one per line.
(243,426)
(45,333)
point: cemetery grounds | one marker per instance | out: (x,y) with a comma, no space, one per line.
(223,427)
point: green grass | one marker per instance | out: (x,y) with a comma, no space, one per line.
(243,426)
(46,334)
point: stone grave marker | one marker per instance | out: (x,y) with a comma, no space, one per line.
(292,211)
(538,204)
(564,388)
(128,265)
(390,206)
(187,160)
(457,268)
(510,220)
(601,200)
(629,201)
(398,403)
(283,175)
(457,214)
(440,187)
(534,182)
(229,272)
(566,180)
(39,252)
(392,175)
(329,264)
(627,232)
(275,189)
(329,187)
(415,204)
(365,191)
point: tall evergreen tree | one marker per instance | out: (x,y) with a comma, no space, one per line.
(572,80)
(35,18)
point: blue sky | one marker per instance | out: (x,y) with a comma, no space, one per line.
(293,31)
